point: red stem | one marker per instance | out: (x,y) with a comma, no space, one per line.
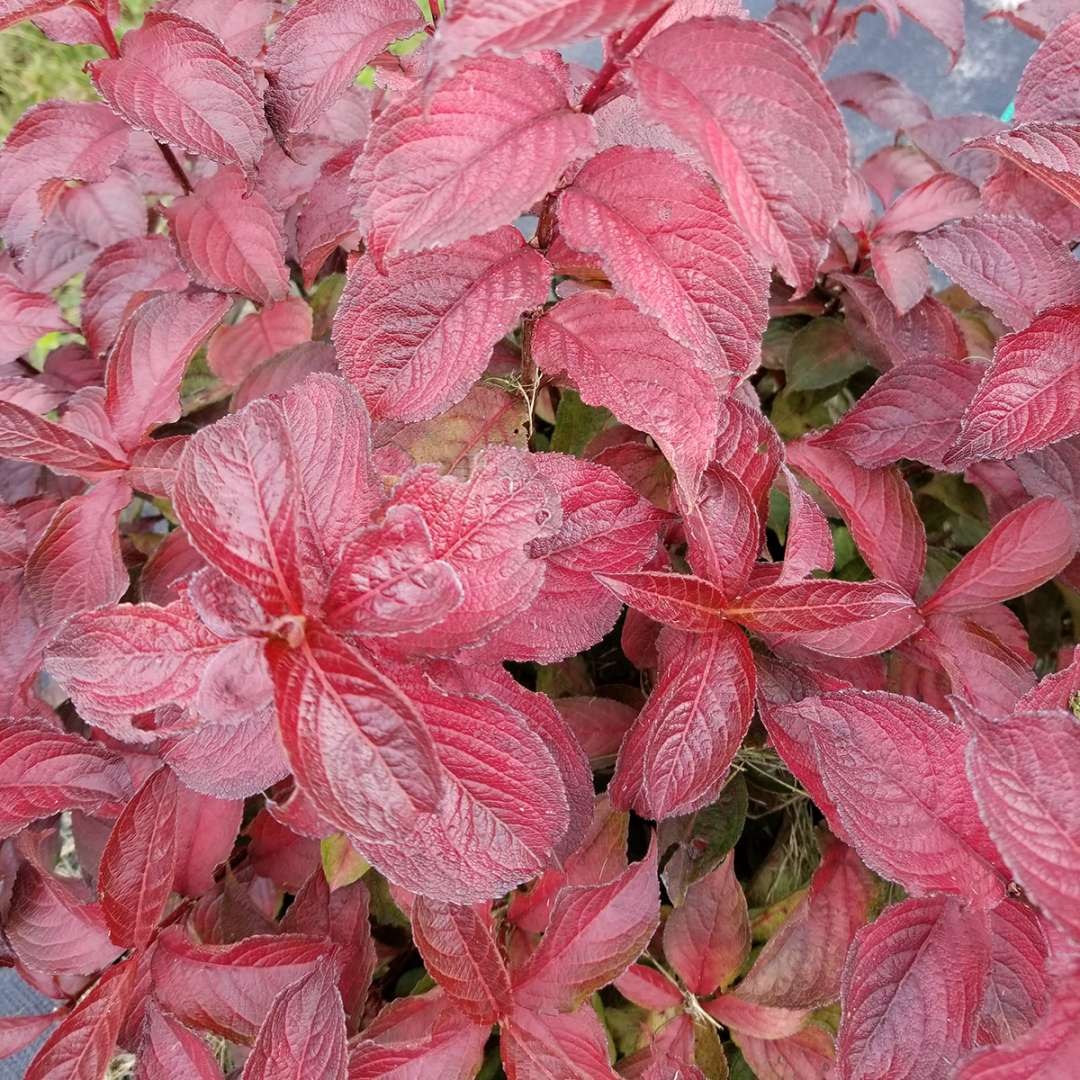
(618,56)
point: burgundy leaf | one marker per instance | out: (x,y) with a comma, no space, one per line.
(234,352)
(284,371)
(413,339)
(24,317)
(317,51)
(25,436)
(624,361)
(458,948)
(912,988)
(230,240)
(805,1055)
(838,618)
(681,601)
(707,938)
(1025,400)
(488,155)
(716,84)
(595,933)
(894,769)
(876,505)
(1022,551)
(142,376)
(175,79)
(229,989)
(139,862)
(914,411)
(809,544)
(303,1033)
(686,263)
(168,1049)
(676,755)
(82,1046)
(1023,770)
(1016,992)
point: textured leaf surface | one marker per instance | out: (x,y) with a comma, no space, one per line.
(555,1046)
(681,601)
(234,352)
(1049,151)
(25,436)
(1024,771)
(1016,992)
(413,339)
(676,755)
(724,532)
(679,257)
(912,988)
(718,85)
(24,317)
(494,139)
(169,1049)
(175,80)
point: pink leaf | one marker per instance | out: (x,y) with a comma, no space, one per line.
(681,601)
(912,988)
(914,411)
(206,829)
(1016,991)
(25,436)
(1022,769)
(1049,151)
(684,262)
(174,79)
(707,938)
(724,532)
(326,217)
(1046,90)
(229,989)
(240,25)
(676,755)
(168,1049)
(230,240)
(457,945)
(837,618)
(82,1047)
(944,197)
(766,82)
(648,988)
(235,351)
(1016,267)
(876,505)
(14,11)
(806,1055)
(144,369)
(942,18)
(1022,551)
(284,371)
(18,1032)
(24,317)
(894,769)
(497,154)
(53,141)
(901,270)
(594,935)
(317,51)
(623,360)
(43,771)
(883,100)
(757,1021)
(1025,400)
(555,1046)
(413,339)
(303,1033)
(139,862)
(809,545)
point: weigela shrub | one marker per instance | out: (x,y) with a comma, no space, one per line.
(513,569)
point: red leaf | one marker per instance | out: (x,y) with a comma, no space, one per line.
(748,446)
(914,411)
(14,11)
(326,217)
(82,1047)
(43,771)
(1022,769)
(303,1033)
(555,1046)
(878,508)
(284,371)
(229,989)
(942,18)
(458,948)
(505,152)
(144,369)
(901,270)
(806,1055)
(912,987)
(1022,551)
(139,862)
(1016,267)
(355,742)
(648,988)
(234,352)
(894,769)
(26,437)
(838,618)
(1046,90)
(724,532)
(801,964)
(206,829)
(240,25)
(413,339)
(757,1021)
(230,240)
(18,1032)
(24,317)
(675,758)
(681,601)
(56,140)
(1050,152)
(317,51)
(943,197)
(594,935)
(175,80)
(168,1049)
(624,361)
(1016,993)
(707,938)
(809,545)
(684,262)
(766,76)
(1025,400)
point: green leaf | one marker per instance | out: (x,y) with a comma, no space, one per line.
(822,355)
(576,424)
(341,864)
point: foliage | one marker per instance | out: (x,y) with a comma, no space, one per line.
(352,539)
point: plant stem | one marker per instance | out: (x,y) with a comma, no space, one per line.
(621,50)
(174,164)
